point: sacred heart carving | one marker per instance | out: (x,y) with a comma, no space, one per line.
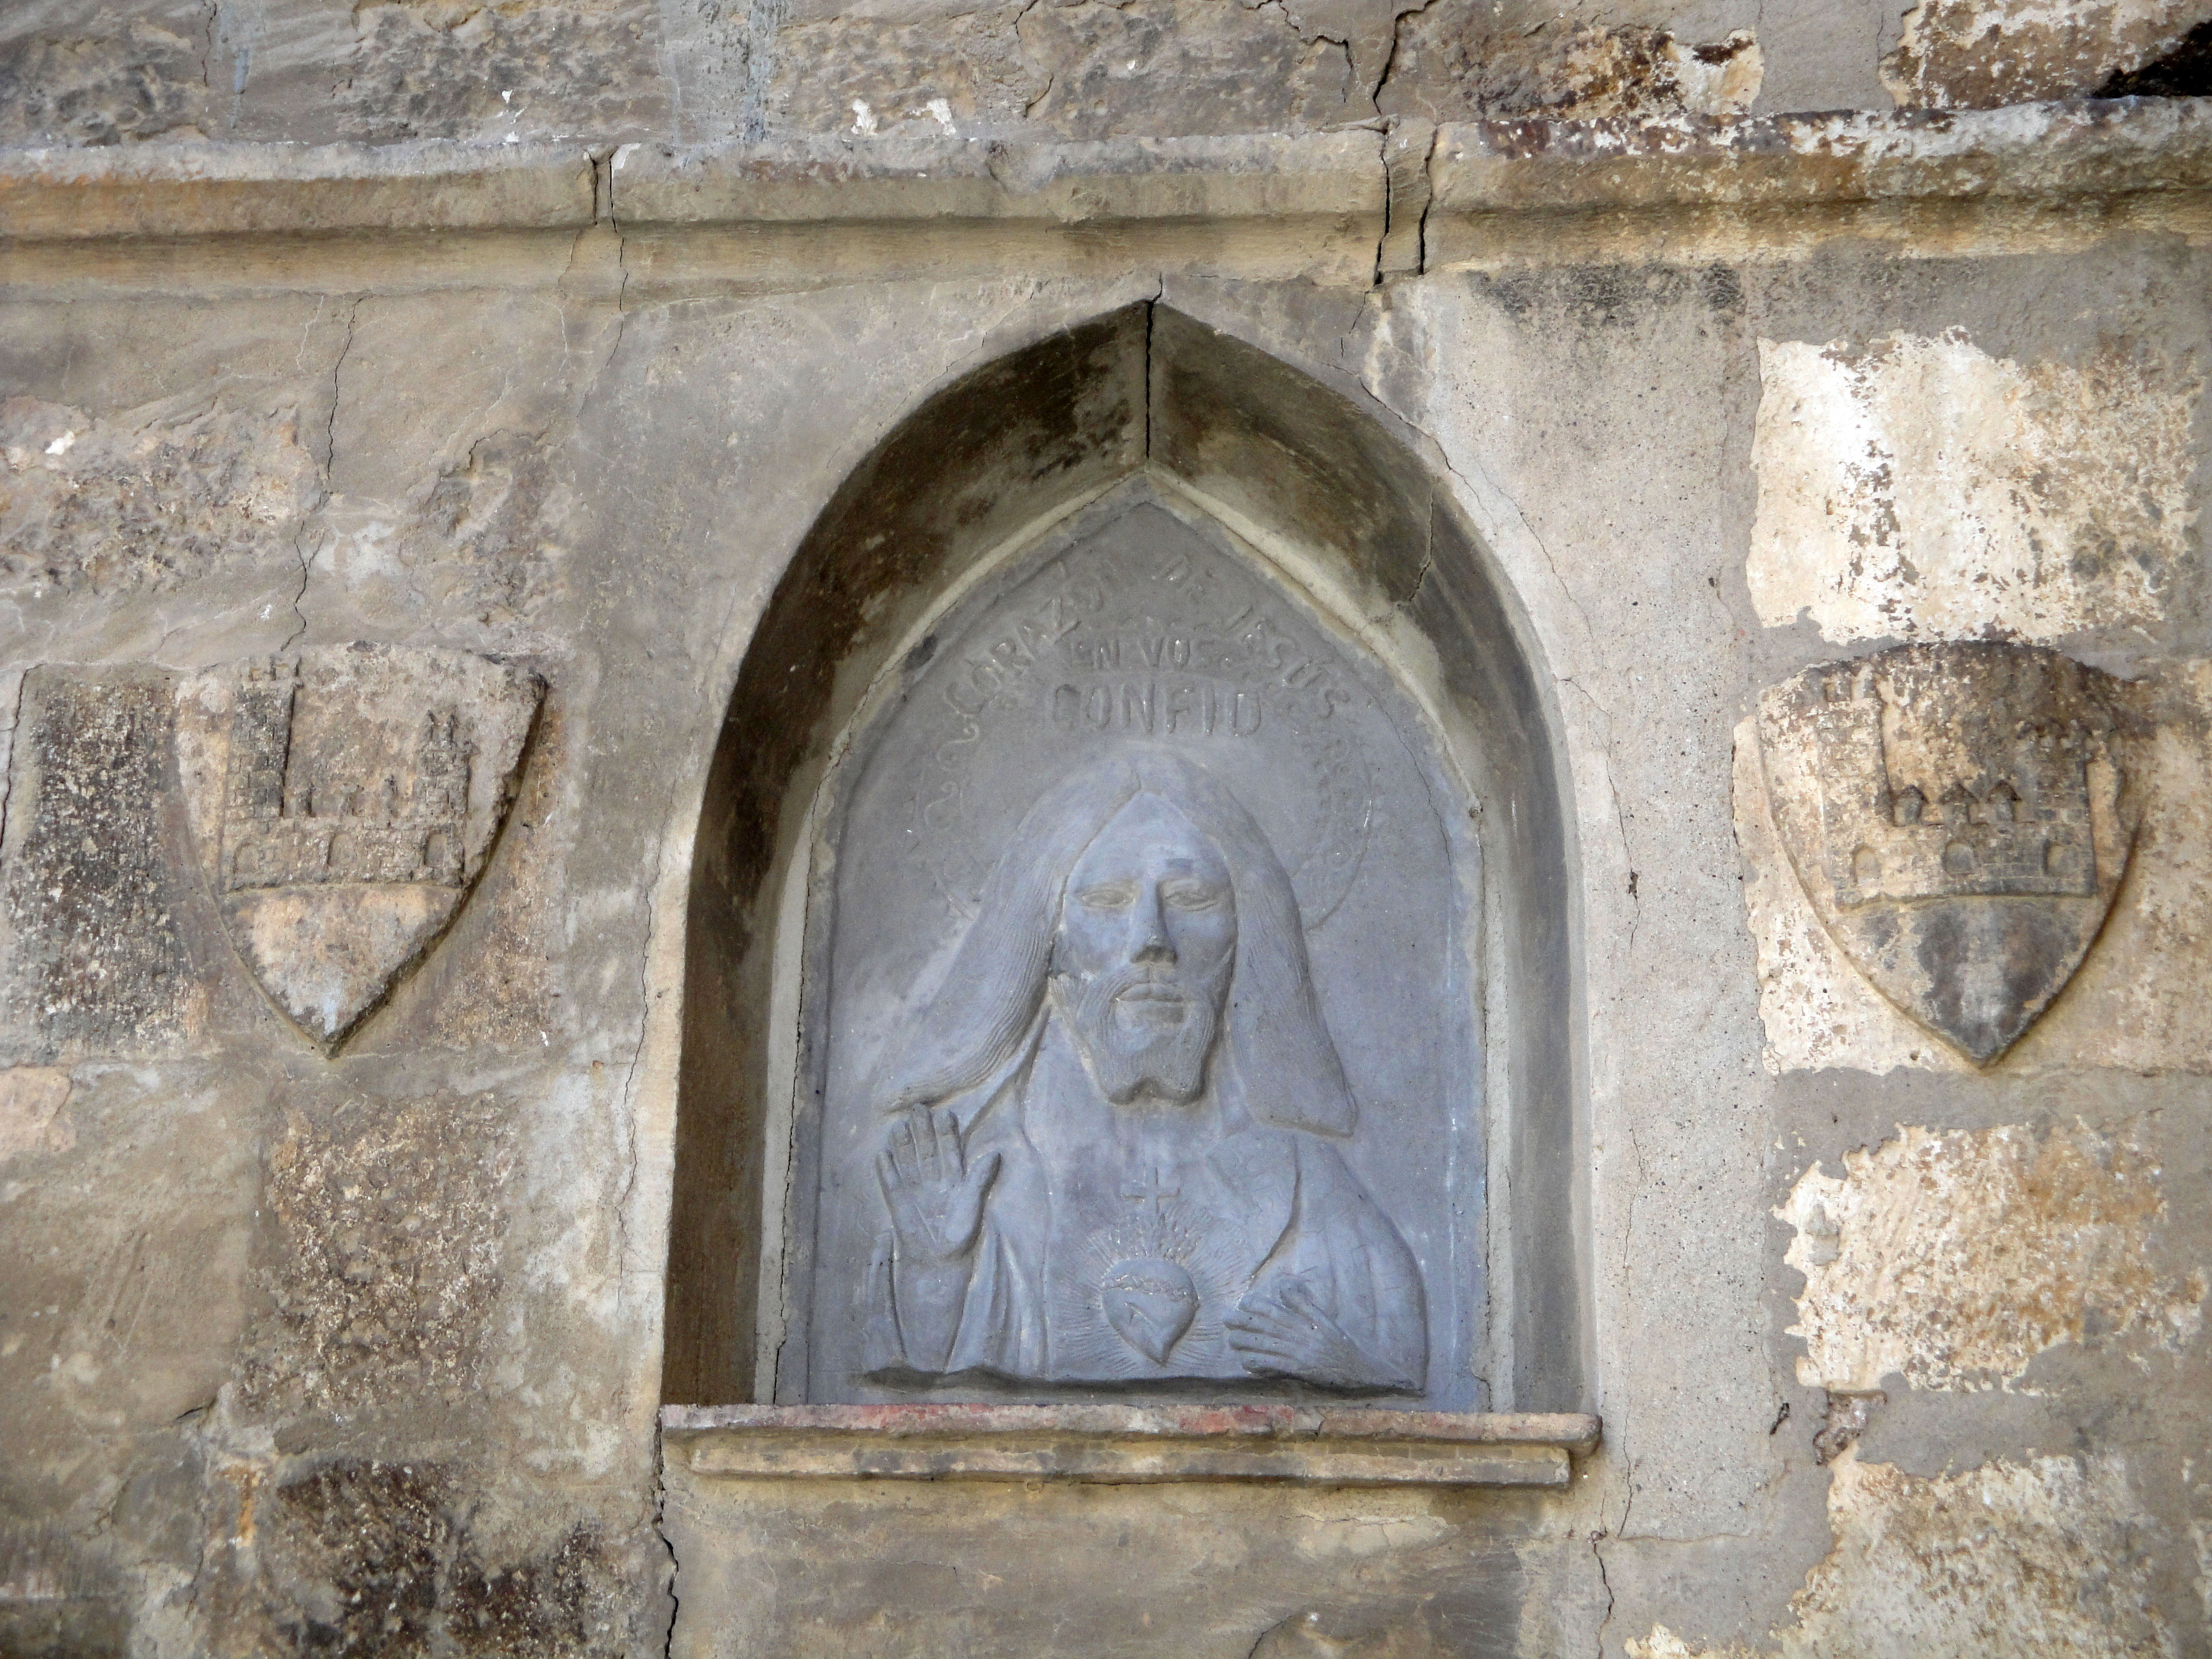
(1150,1303)
(1958,818)
(343,805)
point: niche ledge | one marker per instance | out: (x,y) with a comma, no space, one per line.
(1128,1444)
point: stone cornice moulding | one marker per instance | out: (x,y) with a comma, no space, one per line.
(2077,150)
(160,191)
(1129,1444)
(1316,175)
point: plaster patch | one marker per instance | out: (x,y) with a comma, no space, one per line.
(1921,489)
(1954,1259)
(1664,1643)
(2047,1557)
(30,1101)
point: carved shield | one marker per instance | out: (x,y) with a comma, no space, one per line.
(1957,816)
(341,807)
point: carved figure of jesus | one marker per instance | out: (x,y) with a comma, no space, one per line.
(1110,1152)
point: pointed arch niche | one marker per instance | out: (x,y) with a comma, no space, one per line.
(1139,561)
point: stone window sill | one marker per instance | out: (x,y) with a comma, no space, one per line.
(1128,1444)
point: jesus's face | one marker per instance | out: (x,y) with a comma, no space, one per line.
(1147,937)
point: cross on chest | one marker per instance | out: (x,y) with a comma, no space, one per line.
(1154,1192)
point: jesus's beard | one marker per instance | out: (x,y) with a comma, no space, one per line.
(1152,1045)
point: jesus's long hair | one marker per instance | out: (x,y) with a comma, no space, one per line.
(986,1006)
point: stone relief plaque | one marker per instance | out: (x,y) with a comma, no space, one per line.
(1956,815)
(341,807)
(1145,1027)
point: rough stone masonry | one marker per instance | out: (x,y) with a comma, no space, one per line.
(1616,601)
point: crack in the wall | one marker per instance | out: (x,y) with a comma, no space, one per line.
(211,17)
(668,1544)
(1390,57)
(1619,813)
(1605,1583)
(1052,76)
(1382,241)
(330,421)
(1421,576)
(307,519)
(602,195)
(1428,203)
(1428,194)
(646,999)
(7,750)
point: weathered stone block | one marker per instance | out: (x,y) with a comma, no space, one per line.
(95,953)
(2045,1555)
(1461,60)
(1172,66)
(153,498)
(106,74)
(868,75)
(1480,1577)
(1977,54)
(403,70)
(383,1264)
(110,1348)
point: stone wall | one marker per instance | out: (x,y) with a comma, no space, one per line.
(694,71)
(499,361)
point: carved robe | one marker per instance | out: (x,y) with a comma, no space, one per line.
(1115,1234)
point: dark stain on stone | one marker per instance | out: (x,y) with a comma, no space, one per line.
(2183,71)
(2030,953)
(1222,409)
(62,1630)
(55,1604)
(1846,1418)
(370,1557)
(1723,290)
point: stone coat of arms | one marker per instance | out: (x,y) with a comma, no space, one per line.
(1957,816)
(341,807)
